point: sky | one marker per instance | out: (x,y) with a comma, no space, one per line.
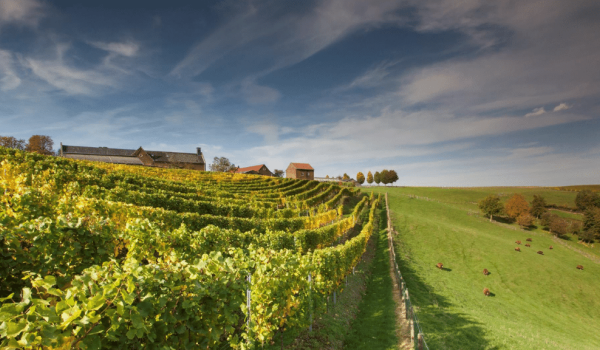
(447,93)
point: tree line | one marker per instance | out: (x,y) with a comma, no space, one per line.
(41,144)
(526,214)
(385,177)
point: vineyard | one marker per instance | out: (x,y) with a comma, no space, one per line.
(104,256)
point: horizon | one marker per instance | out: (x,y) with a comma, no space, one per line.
(467,94)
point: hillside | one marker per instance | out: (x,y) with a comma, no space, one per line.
(538,301)
(102,256)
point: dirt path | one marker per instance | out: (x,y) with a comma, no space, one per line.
(403,326)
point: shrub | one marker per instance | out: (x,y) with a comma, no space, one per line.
(525,220)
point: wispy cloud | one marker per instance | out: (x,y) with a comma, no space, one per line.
(258,94)
(21,12)
(536,112)
(9,78)
(128,49)
(561,107)
(294,36)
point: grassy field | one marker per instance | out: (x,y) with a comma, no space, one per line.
(538,301)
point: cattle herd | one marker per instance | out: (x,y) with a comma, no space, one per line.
(486,291)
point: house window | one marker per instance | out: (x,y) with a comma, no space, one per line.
(301,174)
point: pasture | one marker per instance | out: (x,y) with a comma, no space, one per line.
(536,302)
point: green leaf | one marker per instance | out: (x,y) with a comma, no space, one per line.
(131,333)
(128,298)
(26,295)
(96,302)
(13,329)
(8,297)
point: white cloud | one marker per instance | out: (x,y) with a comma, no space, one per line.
(561,107)
(25,12)
(258,94)
(9,79)
(536,112)
(128,49)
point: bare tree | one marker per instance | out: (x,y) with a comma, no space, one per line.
(41,144)
(222,165)
(11,142)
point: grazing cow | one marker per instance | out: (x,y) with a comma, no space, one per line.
(518,242)
(529,240)
(550,247)
(440,266)
(540,252)
(486,292)
(528,245)
(517,249)
(580,267)
(486,272)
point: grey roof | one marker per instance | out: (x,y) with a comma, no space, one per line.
(158,156)
(106,159)
(176,157)
(101,151)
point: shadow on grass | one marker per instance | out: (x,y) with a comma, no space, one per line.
(446,269)
(443,327)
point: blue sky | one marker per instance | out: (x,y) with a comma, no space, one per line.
(447,93)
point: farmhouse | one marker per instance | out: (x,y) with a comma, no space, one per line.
(140,156)
(302,171)
(256,169)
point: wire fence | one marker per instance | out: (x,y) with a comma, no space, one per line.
(410,314)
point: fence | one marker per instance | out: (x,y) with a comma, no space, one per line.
(410,314)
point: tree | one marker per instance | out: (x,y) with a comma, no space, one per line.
(558,226)
(546,218)
(369,177)
(360,177)
(346,177)
(222,164)
(377,178)
(41,144)
(525,220)
(538,206)
(586,199)
(383,176)
(391,176)
(11,142)
(491,206)
(278,173)
(591,222)
(516,206)
(327,176)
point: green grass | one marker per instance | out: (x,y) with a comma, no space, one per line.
(567,215)
(375,325)
(539,302)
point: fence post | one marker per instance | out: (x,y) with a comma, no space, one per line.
(334,297)
(310,301)
(406,301)
(412,333)
(420,341)
(248,304)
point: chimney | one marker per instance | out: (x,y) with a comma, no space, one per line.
(198,151)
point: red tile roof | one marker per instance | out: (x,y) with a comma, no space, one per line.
(303,166)
(250,168)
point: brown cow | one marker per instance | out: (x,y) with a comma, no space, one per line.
(580,267)
(529,240)
(528,245)
(550,247)
(517,249)
(486,272)
(440,266)
(486,292)
(518,242)
(540,252)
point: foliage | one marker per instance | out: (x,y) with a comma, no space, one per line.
(538,206)
(360,177)
(377,177)
(41,144)
(525,220)
(369,177)
(516,206)
(391,176)
(11,142)
(591,222)
(586,199)
(558,226)
(491,206)
(345,177)
(278,173)
(222,165)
